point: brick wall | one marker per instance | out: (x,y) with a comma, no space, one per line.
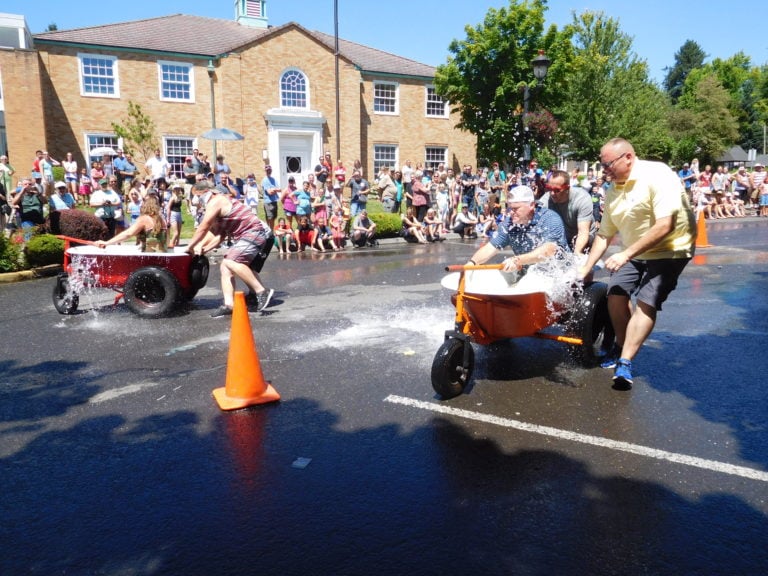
(246,85)
(23,108)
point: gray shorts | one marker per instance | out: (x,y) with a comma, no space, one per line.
(270,210)
(650,280)
(245,250)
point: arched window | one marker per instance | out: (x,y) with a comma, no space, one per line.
(293,90)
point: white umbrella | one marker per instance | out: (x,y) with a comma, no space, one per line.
(222,134)
(103,151)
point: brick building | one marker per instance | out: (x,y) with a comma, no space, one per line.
(276,85)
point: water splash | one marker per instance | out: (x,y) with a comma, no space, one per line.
(400,330)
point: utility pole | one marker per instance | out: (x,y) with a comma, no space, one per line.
(336,54)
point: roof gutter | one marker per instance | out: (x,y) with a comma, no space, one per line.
(86,46)
(394,75)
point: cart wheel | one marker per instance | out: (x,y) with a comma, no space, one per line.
(64,300)
(592,323)
(198,275)
(152,292)
(449,377)
(198,272)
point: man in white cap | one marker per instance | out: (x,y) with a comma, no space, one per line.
(533,232)
(61,199)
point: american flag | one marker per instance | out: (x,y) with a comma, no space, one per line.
(253,8)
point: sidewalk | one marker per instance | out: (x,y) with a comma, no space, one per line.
(43,272)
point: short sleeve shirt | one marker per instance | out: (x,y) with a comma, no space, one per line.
(579,208)
(652,191)
(546,226)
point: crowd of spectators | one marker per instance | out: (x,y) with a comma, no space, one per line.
(328,209)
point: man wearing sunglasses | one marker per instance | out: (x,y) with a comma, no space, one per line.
(574,206)
(647,206)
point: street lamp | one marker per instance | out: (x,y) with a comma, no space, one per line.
(540,65)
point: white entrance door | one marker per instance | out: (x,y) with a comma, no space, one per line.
(295,157)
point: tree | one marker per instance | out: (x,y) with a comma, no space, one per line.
(689,57)
(137,132)
(52,27)
(703,119)
(608,92)
(486,75)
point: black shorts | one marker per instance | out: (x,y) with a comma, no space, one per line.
(650,280)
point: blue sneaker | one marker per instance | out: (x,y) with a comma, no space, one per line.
(611,358)
(622,376)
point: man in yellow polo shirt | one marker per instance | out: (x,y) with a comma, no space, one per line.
(647,206)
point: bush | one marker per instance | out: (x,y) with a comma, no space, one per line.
(43,250)
(58,174)
(10,252)
(76,224)
(387,225)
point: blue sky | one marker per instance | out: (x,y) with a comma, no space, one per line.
(422,30)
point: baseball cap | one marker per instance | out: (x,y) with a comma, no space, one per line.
(103,181)
(520,194)
(758,165)
(267,167)
(59,184)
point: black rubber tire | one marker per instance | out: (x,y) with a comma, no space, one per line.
(152,292)
(591,322)
(63,300)
(449,377)
(198,272)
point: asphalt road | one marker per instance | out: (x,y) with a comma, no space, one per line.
(115,459)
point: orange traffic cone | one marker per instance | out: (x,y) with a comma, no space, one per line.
(701,232)
(245,384)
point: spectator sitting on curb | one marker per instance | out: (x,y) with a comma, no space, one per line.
(363,230)
(464,223)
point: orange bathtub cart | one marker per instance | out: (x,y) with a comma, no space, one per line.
(486,316)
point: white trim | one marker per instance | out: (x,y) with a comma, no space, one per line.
(395,162)
(115,74)
(397,97)
(444,161)
(307,93)
(190,68)
(446,107)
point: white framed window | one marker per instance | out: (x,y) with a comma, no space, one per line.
(176,150)
(98,75)
(176,81)
(385,100)
(93,141)
(384,155)
(437,107)
(294,92)
(434,156)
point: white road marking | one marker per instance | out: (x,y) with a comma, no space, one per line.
(684,459)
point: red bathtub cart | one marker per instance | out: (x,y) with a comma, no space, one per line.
(153,284)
